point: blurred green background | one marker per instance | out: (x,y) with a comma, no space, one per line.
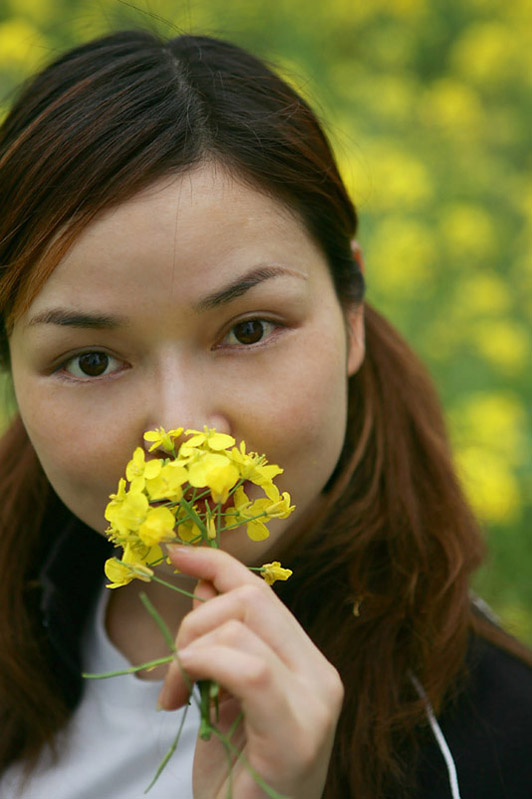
(428,105)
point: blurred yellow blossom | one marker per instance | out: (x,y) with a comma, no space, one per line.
(482,294)
(467,231)
(34,10)
(491,487)
(22,46)
(453,107)
(489,436)
(504,343)
(399,180)
(402,256)
(494,421)
(490,53)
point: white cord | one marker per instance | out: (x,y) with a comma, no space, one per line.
(442,743)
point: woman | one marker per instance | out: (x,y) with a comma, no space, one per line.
(177,249)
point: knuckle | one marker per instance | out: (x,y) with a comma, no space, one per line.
(252,594)
(331,685)
(230,632)
(335,688)
(258,675)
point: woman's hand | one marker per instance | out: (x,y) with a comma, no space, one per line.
(246,640)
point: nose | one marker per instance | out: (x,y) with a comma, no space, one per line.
(185,397)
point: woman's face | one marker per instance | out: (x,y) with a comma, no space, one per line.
(198,302)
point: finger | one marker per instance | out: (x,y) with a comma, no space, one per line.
(247,672)
(233,635)
(265,610)
(212,565)
(265,689)
(204,591)
(254,606)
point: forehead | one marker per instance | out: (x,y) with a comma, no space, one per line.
(182,234)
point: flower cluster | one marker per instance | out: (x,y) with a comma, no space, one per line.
(191,495)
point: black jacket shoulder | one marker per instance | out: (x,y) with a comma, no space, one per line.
(488,729)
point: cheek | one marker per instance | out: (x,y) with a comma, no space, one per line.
(82,455)
(301,418)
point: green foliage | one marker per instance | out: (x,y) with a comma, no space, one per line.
(427,106)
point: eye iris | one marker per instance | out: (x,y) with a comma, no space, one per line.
(249,332)
(93,363)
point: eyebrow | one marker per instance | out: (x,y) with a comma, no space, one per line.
(67,318)
(241,285)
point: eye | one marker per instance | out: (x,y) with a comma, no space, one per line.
(250,331)
(91,364)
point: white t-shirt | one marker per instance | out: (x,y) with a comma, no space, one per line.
(115,739)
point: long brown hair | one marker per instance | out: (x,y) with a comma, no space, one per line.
(384,587)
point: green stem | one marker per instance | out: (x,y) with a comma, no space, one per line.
(205,709)
(244,521)
(179,590)
(151,664)
(234,726)
(194,516)
(158,620)
(157,562)
(170,752)
(271,792)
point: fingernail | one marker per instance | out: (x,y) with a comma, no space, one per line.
(161,704)
(173,549)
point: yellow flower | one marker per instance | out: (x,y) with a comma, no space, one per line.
(282,508)
(167,484)
(257,530)
(253,467)
(138,470)
(209,439)
(279,507)
(211,528)
(116,499)
(158,526)
(274,571)
(136,552)
(214,471)
(207,460)
(128,514)
(189,532)
(273,506)
(163,439)
(121,573)
(241,500)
